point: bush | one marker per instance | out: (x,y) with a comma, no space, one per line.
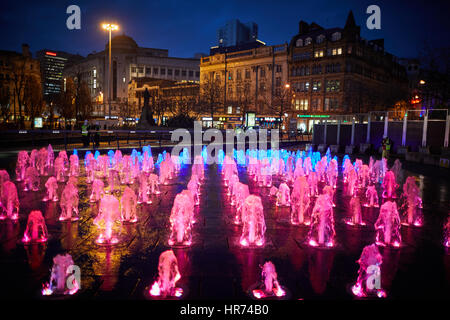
(181,121)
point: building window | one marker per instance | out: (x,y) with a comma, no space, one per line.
(94,73)
(197,74)
(262,72)
(318,54)
(183,73)
(247,73)
(169,72)
(320,38)
(191,73)
(315,104)
(95,84)
(316,86)
(155,71)
(141,70)
(336,36)
(279,68)
(133,69)
(299,43)
(349,49)
(277,81)
(238,75)
(308,41)
(163,71)
(230,109)
(148,70)
(177,72)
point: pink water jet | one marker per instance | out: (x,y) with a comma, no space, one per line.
(147,162)
(307,165)
(108,216)
(447,233)
(332,173)
(153,181)
(113,181)
(165,172)
(36,230)
(242,192)
(69,203)
(23,161)
(33,158)
(230,186)
(322,232)
(300,201)
(329,191)
(313,183)
(371,197)
(126,170)
(41,161)
(411,203)
(103,165)
(31,181)
(270,286)
(283,196)
(355,209)
(193,187)
(168,275)
(388,225)
(198,169)
(97,190)
(74,166)
(364,176)
(51,187)
(254,225)
(129,206)
(347,167)
(59,169)
(90,166)
(181,219)
(143,194)
(368,283)
(9,201)
(4,176)
(62,279)
(266,175)
(352,182)
(389,186)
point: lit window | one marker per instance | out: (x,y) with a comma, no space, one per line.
(320,38)
(94,72)
(230,109)
(308,41)
(299,43)
(95,84)
(336,36)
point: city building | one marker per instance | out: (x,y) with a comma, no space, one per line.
(249,81)
(168,98)
(52,64)
(15,69)
(235,33)
(335,71)
(129,61)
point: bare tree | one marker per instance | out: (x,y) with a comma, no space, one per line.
(281,103)
(243,99)
(33,100)
(84,101)
(5,102)
(66,101)
(211,96)
(19,80)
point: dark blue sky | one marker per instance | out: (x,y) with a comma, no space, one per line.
(187,27)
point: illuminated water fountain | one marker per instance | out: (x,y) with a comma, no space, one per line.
(368,283)
(168,275)
(59,169)
(31,181)
(63,281)
(51,190)
(74,166)
(269,288)
(22,163)
(9,201)
(283,196)
(300,201)
(313,184)
(355,209)
(371,197)
(129,205)
(389,185)
(36,230)
(254,225)
(181,218)
(447,233)
(143,194)
(242,192)
(69,203)
(388,225)
(108,216)
(411,203)
(153,182)
(321,233)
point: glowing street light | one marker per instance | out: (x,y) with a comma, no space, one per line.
(422,82)
(109,27)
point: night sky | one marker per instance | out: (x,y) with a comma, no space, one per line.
(189,27)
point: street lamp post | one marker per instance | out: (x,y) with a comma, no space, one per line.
(110,27)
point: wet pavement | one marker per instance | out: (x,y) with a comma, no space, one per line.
(215,266)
